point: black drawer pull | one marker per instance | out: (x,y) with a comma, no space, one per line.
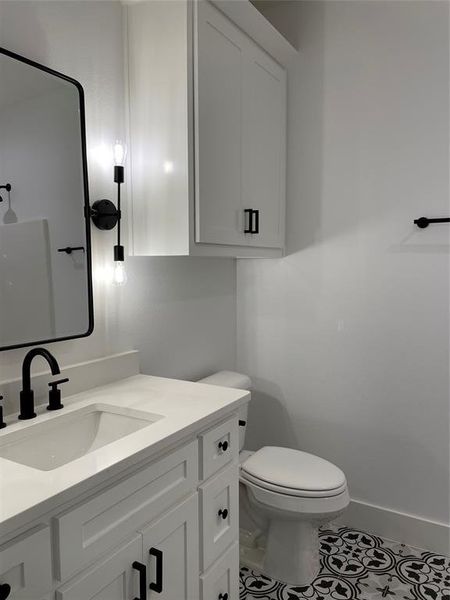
(5,590)
(223,596)
(223,446)
(223,512)
(142,570)
(157,586)
(242,423)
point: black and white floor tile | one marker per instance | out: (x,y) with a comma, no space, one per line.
(359,565)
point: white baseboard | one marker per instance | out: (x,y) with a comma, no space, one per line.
(407,529)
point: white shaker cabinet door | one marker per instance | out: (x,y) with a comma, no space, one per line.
(171,552)
(26,566)
(264,148)
(222,579)
(220,46)
(115,578)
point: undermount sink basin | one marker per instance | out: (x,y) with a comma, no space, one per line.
(51,444)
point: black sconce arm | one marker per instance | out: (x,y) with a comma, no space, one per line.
(105,215)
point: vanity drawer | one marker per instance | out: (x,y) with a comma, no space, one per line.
(219,446)
(84,533)
(219,503)
(222,577)
(26,565)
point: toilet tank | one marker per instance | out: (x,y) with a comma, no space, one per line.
(233,380)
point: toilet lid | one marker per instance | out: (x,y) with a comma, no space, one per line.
(294,469)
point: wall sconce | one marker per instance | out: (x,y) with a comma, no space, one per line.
(105,215)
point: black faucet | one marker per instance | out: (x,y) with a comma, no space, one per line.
(27,394)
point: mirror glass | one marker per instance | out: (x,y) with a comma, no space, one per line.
(45,265)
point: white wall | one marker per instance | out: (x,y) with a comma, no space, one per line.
(347,338)
(179,312)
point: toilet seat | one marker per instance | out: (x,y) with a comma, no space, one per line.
(291,506)
(293,473)
(278,489)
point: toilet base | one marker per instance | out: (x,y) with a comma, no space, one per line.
(292,551)
(289,553)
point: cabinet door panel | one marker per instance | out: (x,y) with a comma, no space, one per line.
(112,579)
(222,577)
(219,60)
(264,146)
(219,501)
(175,539)
(26,565)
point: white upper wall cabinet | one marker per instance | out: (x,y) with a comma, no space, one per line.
(207,134)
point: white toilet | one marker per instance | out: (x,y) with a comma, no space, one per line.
(288,494)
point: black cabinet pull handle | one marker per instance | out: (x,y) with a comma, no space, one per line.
(142,570)
(157,586)
(256,228)
(253,225)
(223,512)
(5,590)
(249,212)
(223,596)
(223,446)
(242,423)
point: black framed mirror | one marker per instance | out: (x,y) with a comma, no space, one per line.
(45,239)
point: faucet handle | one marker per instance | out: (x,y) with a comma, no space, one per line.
(2,422)
(54,395)
(54,384)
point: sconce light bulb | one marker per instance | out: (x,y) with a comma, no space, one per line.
(120,153)
(120,274)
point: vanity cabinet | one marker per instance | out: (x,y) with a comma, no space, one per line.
(207,134)
(166,529)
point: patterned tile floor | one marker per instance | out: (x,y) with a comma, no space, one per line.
(358,565)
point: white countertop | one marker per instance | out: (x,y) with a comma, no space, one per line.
(27,493)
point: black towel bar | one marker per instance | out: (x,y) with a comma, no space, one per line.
(70,249)
(425,221)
